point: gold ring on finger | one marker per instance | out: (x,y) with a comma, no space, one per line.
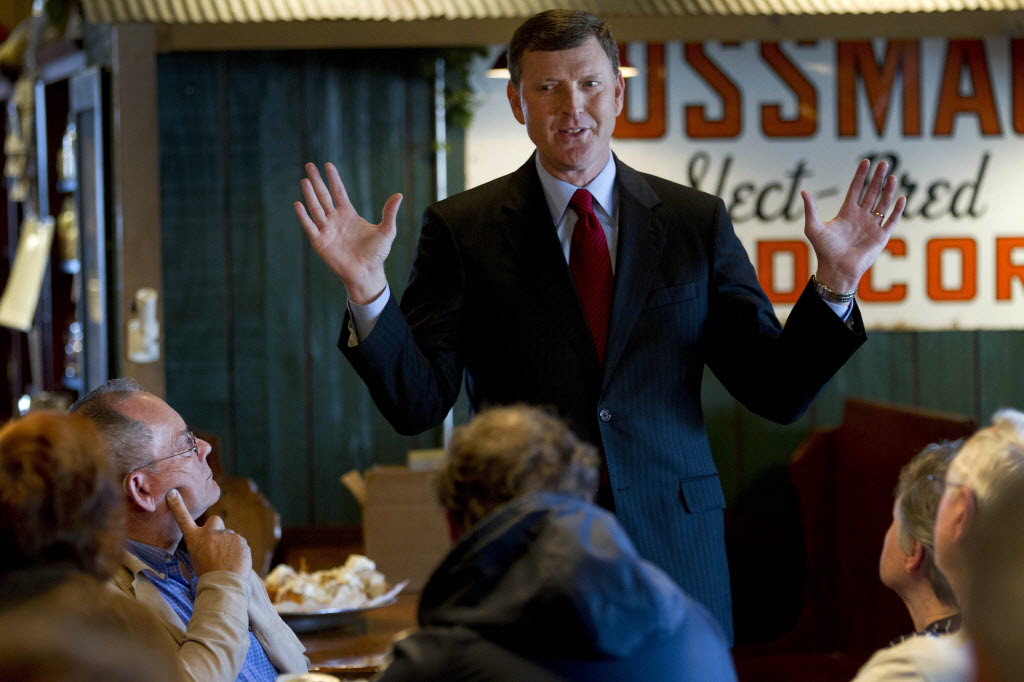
(880,215)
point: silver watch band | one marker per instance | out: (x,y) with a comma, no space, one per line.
(831,294)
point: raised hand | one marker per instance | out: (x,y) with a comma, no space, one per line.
(211,546)
(848,245)
(354,249)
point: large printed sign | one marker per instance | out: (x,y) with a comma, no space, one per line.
(756,123)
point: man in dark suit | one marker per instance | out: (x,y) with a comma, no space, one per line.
(604,304)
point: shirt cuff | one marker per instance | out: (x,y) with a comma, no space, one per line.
(364,317)
(841,309)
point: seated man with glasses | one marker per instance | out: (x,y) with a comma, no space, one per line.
(203,589)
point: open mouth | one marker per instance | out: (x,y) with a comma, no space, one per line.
(572,133)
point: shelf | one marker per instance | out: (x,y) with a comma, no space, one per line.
(59,61)
(56,61)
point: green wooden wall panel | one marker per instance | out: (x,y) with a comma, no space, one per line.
(1000,371)
(946,371)
(349,92)
(882,369)
(280,337)
(193,208)
(247,257)
(258,365)
(338,408)
(402,144)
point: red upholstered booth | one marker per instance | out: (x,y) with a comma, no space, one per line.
(841,481)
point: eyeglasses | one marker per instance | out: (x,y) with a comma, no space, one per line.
(193,449)
(939,482)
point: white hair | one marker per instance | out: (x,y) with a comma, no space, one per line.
(992,455)
(994,560)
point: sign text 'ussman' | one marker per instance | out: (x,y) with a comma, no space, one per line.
(756,123)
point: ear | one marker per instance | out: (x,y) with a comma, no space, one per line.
(964,508)
(139,489)
(912,562)
(515,102)
(620,92)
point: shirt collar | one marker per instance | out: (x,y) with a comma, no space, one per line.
(558,192)
(154,558)
(944,626)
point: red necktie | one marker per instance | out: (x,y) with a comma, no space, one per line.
(591,268)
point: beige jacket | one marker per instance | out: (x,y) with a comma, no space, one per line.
(213,645)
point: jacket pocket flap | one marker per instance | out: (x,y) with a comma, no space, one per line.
(673,294)
(701,493)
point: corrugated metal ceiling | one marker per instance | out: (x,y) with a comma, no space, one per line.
(261,11)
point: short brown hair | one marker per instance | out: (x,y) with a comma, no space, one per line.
(558,29)
(505,452)
(59,500)
(917,505)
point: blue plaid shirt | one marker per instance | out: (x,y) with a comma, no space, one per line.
(181,595)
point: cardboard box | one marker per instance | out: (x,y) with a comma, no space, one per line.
(404,528)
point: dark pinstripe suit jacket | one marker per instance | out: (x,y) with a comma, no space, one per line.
(491,297)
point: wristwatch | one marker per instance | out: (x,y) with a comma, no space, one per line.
(831,295)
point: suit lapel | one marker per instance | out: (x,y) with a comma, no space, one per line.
(527,224)
(640,241)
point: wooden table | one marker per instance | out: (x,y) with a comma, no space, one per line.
(359,649)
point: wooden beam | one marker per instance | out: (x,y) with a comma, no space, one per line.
(136,192)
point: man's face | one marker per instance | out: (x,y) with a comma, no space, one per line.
(568,100)
(190,472)
(892,562)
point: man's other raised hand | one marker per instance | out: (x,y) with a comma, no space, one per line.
(848,245)
(351,247)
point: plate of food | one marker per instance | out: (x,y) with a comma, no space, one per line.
(318,600)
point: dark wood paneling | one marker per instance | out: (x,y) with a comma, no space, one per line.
(999,371)
(245,261)
(946,372)
(193,208)
(881,370)
(251,337)
(267,288)
(337,408)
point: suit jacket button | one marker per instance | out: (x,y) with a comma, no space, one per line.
(605,415)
